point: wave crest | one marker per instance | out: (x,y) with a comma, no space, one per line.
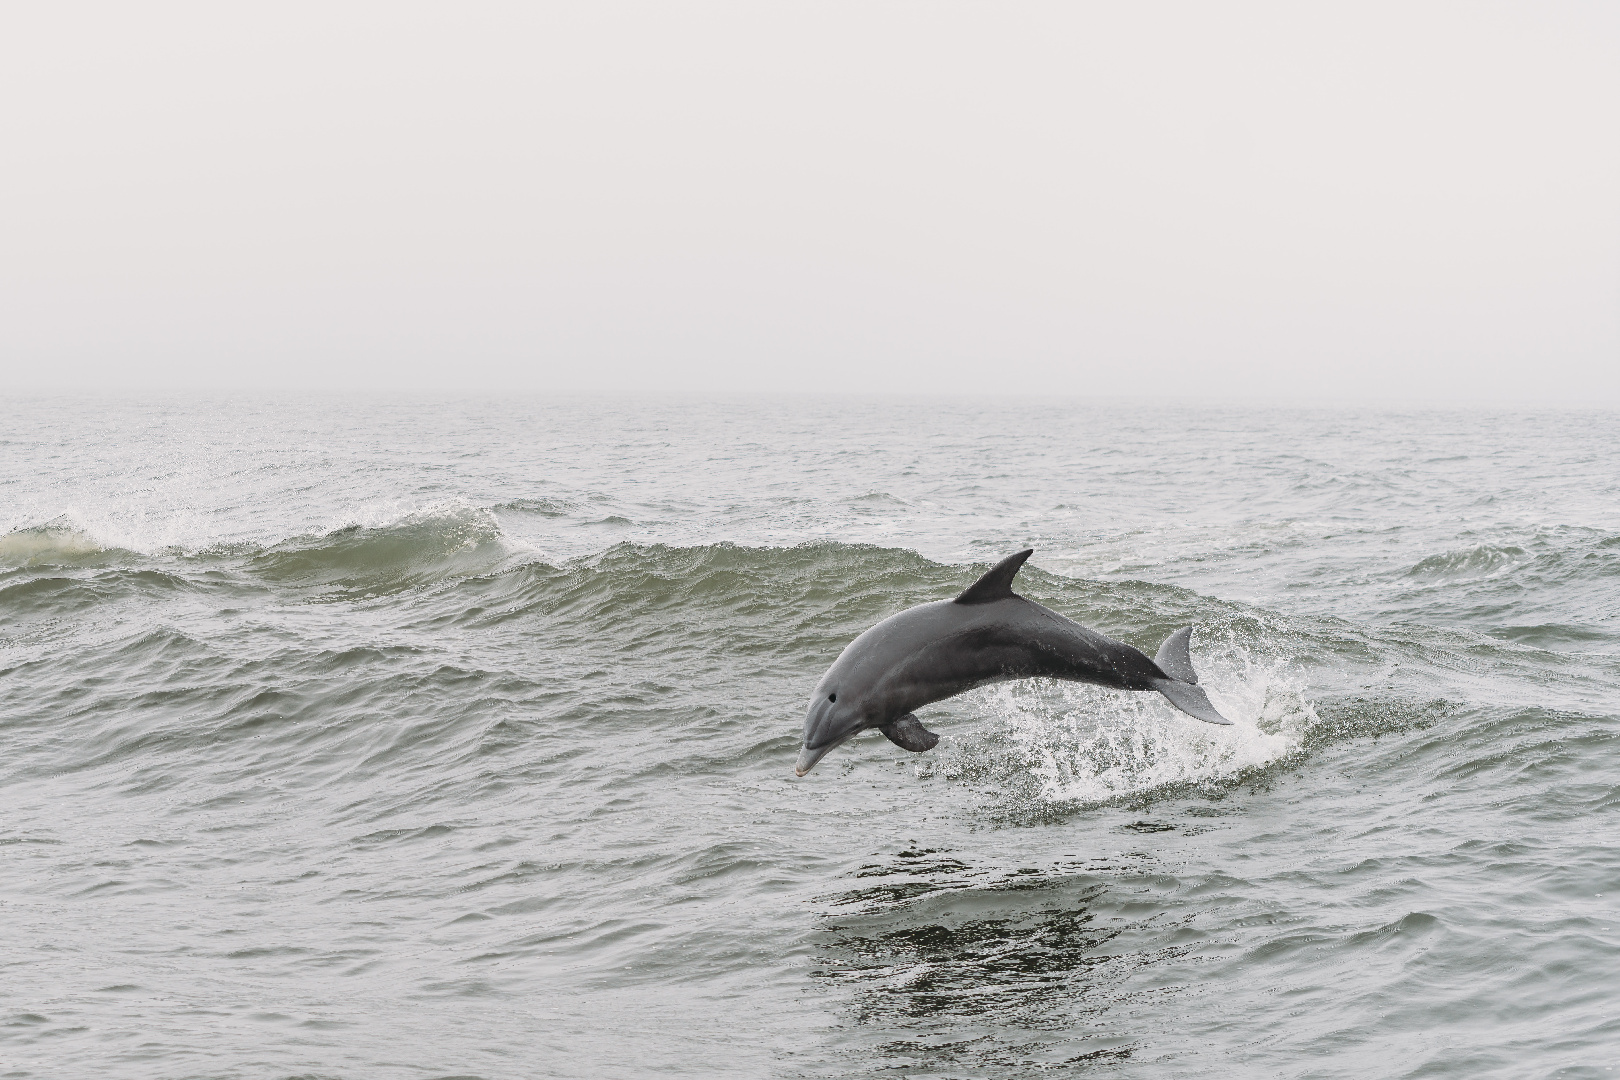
(1481,560)
(425,546)
(56,543)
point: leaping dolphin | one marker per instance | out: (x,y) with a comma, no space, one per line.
(989,634)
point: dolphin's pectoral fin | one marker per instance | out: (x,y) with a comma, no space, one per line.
(908,734)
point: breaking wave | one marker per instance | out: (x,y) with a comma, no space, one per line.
(56,543)
(421,547)
(1481,560)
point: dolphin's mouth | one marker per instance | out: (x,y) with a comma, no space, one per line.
(808,757)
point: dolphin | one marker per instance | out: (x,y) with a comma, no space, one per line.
(989,634)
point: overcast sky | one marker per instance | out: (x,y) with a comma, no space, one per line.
(1235,199)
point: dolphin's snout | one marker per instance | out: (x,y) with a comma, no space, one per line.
(809,755)
(822,724)
(808,758)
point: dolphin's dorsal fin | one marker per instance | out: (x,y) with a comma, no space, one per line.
(997,581)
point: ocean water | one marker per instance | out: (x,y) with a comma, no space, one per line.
(378,738)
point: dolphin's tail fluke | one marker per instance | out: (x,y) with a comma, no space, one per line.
(1181,688)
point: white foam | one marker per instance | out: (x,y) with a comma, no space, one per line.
(1088,744)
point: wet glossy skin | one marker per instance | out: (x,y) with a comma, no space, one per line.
(938,650)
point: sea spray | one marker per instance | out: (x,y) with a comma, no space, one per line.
(1070,745)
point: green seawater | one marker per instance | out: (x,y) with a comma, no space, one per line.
(395,737)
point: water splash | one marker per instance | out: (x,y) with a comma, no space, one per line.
(1078,745)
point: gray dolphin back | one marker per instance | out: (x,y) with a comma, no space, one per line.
(1174,657)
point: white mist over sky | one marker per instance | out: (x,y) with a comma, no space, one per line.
(1244,200)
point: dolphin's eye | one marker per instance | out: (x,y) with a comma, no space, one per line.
(832,697)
